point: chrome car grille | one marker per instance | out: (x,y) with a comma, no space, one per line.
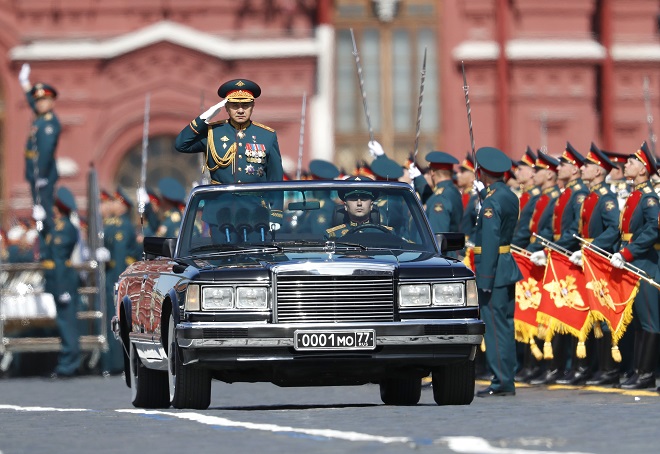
(360,297)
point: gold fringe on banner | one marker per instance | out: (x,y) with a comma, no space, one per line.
(536,351)
(598,331)
(581,350)
(616,354)
(547,350)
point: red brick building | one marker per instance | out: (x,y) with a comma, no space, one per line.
(540,73)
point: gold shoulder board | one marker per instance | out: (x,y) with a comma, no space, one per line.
(333,229)
(267,128)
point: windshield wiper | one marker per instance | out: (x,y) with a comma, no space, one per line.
(218,247)
(357,245)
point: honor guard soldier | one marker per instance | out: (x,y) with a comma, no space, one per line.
(40,166)
(616,179)
(444,208)
(531,193)
(238,150)
(469,197)
(173,196)
(639,234)
(59,237)
(318,222)
(496,270)
(599,225)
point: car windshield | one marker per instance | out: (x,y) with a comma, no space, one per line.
(347,213)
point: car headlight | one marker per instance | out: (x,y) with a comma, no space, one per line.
(415,295)
(448,294)
(251,298)
(471,293)
(217,298)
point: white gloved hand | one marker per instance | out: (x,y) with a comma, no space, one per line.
(538,258)
(41,182)
(375,149)
(38,213)
(102,254)
(478,186)
(576,258)
(213,111)
(274,226)
(24,75)
(413,171)
(142,196)
(617,261)
(65,298)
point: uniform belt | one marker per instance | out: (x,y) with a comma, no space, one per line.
(532,239)
(626,236)
(30,154)
(556,237)
(503,249)
(48,264)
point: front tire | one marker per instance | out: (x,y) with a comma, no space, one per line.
(400,391)
(190,387)
(453,384)
(148,386)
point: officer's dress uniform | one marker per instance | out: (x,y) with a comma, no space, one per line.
(59,238)
(40,151)
(528,199)
(639,234)
(469,219)
(249,154)
(496,270)
(340,230)
(171,224)
(444,209)
(542,216)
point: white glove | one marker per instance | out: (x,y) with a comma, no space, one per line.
(576,258)
(142,196)
(24,75)
(274,226)
(213,111)
(65,298)
(538,258)
(413,171)
(478,186)
(40,183)
(375,149)
(617,261)
(102,254)
(38,213)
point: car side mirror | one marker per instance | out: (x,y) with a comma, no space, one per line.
(159,247)
(450,241)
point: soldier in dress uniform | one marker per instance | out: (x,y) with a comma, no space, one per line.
(173,196)
(496,270)
(40,167)
(599,224)
(318,221)
(531,193)
(444,207)
(391,212)
(238,150)
(469,197)
(616,179)
(639,233)
(560,230)
(59,237)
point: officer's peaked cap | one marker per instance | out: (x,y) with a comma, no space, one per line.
(493,160)
(596,156)
(545,161)
(386,169)
(241,90)
(572,156)
(65,200)
(343,193)
(172,190)
(528,158)
(123,197)
(41,90)
(323,170)
(441,160)
(646,157)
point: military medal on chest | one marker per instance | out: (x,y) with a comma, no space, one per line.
(240,134)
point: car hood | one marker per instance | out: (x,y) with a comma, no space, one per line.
(408,264)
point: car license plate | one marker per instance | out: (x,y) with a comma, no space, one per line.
(364,339)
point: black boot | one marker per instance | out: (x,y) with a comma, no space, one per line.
(609,373)
(531,367)
(580,371)
(632,376)
(648,362)
(557,363)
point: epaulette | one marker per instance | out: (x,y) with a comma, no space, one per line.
(603,191)
(48,116)
(578,186)
(535,191)
(221,122)
(439,191)
(647,190)
(267,128)
(554,194)
(175,216)
(334,229)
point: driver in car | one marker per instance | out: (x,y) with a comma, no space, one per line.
(358,204)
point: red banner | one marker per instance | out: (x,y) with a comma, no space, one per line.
(528,298)
(611,292)
(564,306)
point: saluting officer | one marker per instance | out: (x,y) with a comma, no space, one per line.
(496,270)
(238,150)
(59,237)
(173,197)
(639,233)
(599,224)
(40,166)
